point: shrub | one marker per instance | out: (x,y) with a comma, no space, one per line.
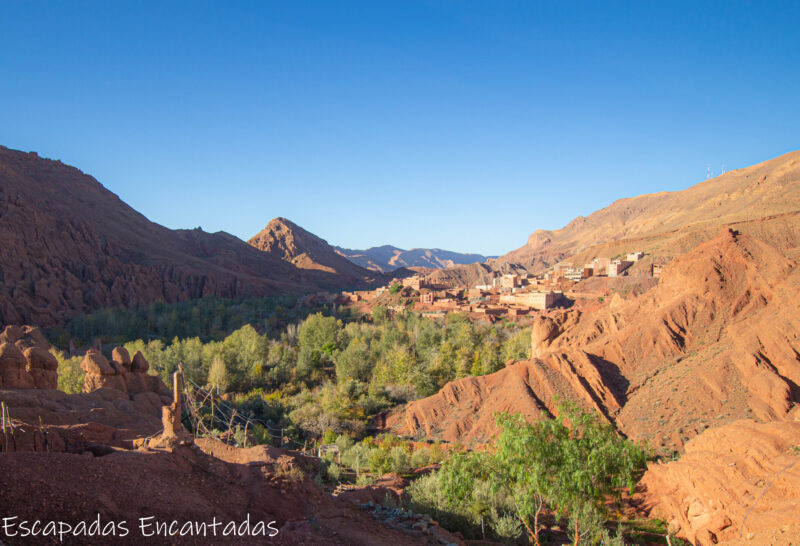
(421,457)
(70,375)
(398,460)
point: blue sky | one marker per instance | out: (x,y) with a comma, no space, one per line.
(460,125)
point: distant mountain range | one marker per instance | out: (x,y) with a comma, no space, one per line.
(387,258)
(70,246)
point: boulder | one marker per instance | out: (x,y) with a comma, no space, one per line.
(94,363)
(11,334)
(121,355)
(122,373)
(43,367)
(137,382)
(100,373)
(139,364)
(13,368)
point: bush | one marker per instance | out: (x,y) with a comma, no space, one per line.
(421,457)
(329,437)
(398,460)
(334,472)
(70,375)
(507,527)
(365,479)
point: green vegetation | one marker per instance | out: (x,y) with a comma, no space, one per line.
(70,375)
(323,374)
(532,469)
(210,318)
(319,380)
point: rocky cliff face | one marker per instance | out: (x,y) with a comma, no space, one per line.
(70,246)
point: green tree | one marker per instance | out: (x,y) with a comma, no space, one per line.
(380,315)
(218,376)
(569,469)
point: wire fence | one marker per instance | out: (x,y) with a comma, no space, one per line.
(230,417)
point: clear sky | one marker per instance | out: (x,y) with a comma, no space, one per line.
(459,125)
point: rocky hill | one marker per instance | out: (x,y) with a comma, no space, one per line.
(713,342)
(762,200)
(388,258)
(284,240)
(71,246)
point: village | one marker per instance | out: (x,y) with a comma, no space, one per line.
(514,296)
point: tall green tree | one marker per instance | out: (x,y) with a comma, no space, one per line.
(568,465)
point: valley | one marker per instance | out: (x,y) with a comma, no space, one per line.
(286,373)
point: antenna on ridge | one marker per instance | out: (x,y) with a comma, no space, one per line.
(709,172)
(723,169)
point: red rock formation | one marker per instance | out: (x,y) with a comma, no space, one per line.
(742,470)
(43,367)
(31,364)
(121,373)
(70,246)
(285,240)
(715,341)
(13,368)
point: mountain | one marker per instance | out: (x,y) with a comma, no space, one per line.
(70,246)
(763,200)
(286,241)
(387,258)
(715,341)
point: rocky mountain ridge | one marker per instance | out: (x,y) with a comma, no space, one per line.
(672,223)
(70,246)
(284,240)
(388,258)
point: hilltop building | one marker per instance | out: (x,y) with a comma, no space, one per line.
(618,267)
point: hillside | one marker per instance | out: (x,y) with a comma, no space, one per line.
(713,342)
(762,200)
(284,240)
(388,258)
(70,246)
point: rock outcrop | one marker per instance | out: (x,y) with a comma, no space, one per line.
(43,367)
(25,359)
(122,373)
(13,368)
(736,480)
